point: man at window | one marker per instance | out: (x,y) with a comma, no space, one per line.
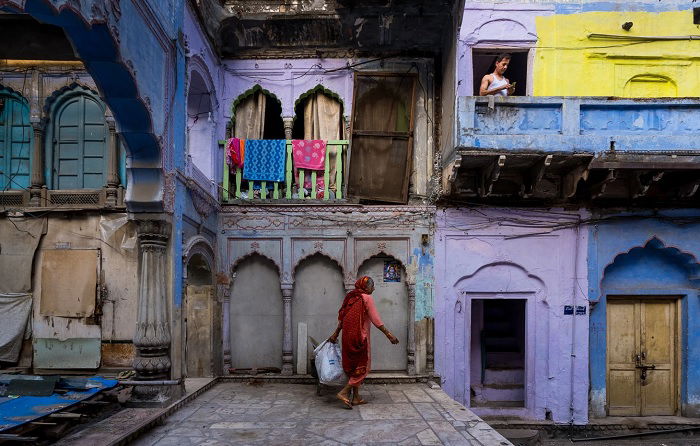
(496,83)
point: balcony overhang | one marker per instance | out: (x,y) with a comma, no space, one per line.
(574,150)
(610,178)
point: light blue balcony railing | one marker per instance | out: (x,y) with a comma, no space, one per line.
(235,187)
(576,124)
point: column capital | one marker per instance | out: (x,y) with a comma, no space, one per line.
(288,124)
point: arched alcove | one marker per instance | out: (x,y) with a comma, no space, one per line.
(200,124)
(650,86)
(202,317)
(257,114)
(256,320)
(391,299)
(318,294)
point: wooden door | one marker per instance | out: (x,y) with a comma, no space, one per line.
(642,357)
(198,330)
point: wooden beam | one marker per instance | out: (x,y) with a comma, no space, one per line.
(534,175)
(598,189)
(490,174)
(642,181)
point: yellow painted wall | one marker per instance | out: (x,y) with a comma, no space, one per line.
(568,63)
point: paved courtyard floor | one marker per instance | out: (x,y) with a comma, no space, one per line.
(292,414)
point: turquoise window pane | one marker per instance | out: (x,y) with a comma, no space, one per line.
(15,144)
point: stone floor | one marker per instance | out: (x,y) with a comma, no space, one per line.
(292,414)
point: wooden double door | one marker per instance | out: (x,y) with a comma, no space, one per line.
(642,356)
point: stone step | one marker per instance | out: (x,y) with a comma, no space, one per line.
(504,375)
(372,378)
(499,404)
(502,392)
(504,359)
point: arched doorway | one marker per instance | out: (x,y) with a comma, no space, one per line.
(199,318)
(391,300)
(256,320)
(318,294)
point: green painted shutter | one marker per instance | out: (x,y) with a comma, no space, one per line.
(15,147)
(80,142)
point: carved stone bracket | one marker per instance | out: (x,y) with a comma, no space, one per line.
(288,124)
(287,352)
(37,173)
(152,336)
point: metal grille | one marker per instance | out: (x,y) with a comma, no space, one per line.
(10,200)
(73,199)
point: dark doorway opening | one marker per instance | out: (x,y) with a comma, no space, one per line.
(498,353)
(484,62)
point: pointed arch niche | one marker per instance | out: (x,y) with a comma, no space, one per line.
(256,313)
(317,296)
(394,298)
(257,114)
(487,289)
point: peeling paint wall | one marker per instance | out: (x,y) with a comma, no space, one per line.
(648,255)
(524,254)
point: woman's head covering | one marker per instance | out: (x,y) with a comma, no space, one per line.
(364,284)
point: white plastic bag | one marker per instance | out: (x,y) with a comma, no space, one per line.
(329,364)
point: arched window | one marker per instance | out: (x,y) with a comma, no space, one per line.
(257,114)
(650,86)
(79,142)
(15,137)
(200,125)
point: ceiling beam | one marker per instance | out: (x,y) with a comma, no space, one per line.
(534,175)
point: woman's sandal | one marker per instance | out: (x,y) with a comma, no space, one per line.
(359,403)
(346,401)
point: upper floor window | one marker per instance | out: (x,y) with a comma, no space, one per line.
(382,137)
(78,143)
(200,125)
(15,137)
(484,63)
(258,116)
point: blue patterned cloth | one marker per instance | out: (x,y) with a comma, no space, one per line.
(264,159)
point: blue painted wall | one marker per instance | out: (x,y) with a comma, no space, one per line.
(646,255)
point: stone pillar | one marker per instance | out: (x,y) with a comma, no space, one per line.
(287,351)
(112,189)
(152,337)
(37,173)
(288,123)
(346,122)
(226,329)
(411,341)
(349,287)
(430,347)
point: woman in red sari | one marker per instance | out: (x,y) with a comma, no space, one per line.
(354,317)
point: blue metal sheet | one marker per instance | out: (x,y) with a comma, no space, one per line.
(17,411)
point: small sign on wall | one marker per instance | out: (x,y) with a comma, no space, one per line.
(569,310)
(392,271)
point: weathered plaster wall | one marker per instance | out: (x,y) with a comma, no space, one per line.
(668,264)
(115,237)
(511,253)
(289,79)
(348,236)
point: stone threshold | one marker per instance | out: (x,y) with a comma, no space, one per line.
(608,424)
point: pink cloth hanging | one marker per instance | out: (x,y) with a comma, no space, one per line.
(234,152)
(310,155)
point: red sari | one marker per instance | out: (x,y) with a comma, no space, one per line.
(355,314)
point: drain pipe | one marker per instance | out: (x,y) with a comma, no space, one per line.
(572,359)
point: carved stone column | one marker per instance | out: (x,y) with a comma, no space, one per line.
(411,341)
(226,329)
(112,189)
(349,287)
(37,174)
(152,337)
(430,347)
(288,123)
(287,351)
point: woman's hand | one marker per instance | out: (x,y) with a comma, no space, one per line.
(393,339)
(333,338)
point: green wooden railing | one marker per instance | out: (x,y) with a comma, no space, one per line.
(233,182)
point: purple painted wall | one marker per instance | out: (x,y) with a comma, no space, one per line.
(538,256)
(489,25)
